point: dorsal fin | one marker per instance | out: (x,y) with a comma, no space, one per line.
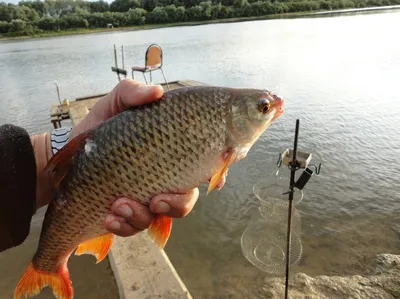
(61,161)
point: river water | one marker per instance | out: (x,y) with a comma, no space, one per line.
(340,77)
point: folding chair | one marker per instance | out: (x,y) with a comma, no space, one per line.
(153,61)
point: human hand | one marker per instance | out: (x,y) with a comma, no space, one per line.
(125,94)
(127,216)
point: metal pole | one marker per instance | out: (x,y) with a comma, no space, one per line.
(116,62)
(58,92)
(289,228)
(123,59)
(115,57)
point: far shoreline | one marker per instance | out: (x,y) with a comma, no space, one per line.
(319,13)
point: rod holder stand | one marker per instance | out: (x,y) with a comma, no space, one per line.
(294,159)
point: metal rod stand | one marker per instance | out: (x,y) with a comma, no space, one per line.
(293,168)
(58,92)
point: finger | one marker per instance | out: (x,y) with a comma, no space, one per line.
(118,226)
(131,93)
(174,205)
(127,93)
(134,213)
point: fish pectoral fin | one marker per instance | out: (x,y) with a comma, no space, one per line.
(99,247)
(160,230)
(33,281)
(222,180)
(61,161)
(219,176)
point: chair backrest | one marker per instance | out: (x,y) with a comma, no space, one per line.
(154,56)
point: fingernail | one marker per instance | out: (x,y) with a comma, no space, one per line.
(162,207)
(147,88)
(151,89)
(124,211)
(115,225)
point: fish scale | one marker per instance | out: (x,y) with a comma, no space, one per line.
(168,146)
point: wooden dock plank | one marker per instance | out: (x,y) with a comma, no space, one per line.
(95,96)
(191,83)
(172,86)
(143,271)
(57,110)
(89,103)
(77,113)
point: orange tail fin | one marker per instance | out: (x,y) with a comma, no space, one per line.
(33,281)
(98,247)
(160,229)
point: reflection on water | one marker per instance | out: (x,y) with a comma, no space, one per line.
(339,76)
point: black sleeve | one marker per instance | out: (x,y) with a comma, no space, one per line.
(17,185)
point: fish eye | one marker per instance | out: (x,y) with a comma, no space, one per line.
(264,105)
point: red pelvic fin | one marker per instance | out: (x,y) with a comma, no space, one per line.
(160,230)
(98,247)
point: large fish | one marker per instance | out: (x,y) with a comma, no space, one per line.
(190,136)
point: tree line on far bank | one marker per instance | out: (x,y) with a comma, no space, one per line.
(34,17)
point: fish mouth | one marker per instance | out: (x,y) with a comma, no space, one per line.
(278,105)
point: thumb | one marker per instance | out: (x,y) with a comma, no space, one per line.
(131,93)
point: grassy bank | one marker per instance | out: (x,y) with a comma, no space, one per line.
(155,26)
(194,23)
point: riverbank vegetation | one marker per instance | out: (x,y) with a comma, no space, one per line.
(29,18)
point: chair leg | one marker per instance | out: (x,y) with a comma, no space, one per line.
(145,79)
(133,76)
(164,78)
